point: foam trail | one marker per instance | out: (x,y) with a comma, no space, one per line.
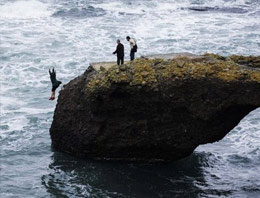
(24,10)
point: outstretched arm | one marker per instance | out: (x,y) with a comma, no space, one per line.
(52,76)
(115,52)
(54,72)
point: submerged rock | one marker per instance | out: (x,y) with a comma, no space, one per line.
(154,109)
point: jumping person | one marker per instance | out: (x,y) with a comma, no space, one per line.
(119,52)
(55,83)
(133,47)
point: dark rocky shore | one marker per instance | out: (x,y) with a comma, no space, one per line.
(157,108)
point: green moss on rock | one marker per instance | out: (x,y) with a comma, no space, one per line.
(250,61)
(153,72)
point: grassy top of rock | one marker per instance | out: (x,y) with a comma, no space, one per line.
(152,72)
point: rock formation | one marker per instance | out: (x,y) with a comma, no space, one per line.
(157,108)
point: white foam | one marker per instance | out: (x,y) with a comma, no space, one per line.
(243,140)
(24,9)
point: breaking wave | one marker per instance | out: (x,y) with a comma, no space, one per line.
(90,11)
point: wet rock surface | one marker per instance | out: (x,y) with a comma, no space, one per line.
(156,108)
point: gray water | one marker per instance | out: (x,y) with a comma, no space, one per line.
(69,34)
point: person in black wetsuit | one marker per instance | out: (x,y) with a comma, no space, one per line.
(119,52)
(55,83)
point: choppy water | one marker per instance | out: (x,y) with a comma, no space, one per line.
(68,34)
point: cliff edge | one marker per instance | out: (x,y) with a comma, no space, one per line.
(156,108)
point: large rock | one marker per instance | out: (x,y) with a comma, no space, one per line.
(157,108)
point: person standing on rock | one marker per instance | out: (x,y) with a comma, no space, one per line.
(119,52)
(133,47)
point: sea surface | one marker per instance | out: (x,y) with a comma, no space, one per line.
(36,35)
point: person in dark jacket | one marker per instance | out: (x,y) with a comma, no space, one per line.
(119,52)
(55,83)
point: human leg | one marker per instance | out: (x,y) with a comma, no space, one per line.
(122,60)
(132,55)
(52,95)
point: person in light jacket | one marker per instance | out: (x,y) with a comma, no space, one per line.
(119,52)
(133,47)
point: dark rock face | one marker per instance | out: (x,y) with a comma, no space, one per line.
(153,110)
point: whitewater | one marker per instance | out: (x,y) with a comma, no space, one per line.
(36,35)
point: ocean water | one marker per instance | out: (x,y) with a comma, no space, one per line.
(69,34)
